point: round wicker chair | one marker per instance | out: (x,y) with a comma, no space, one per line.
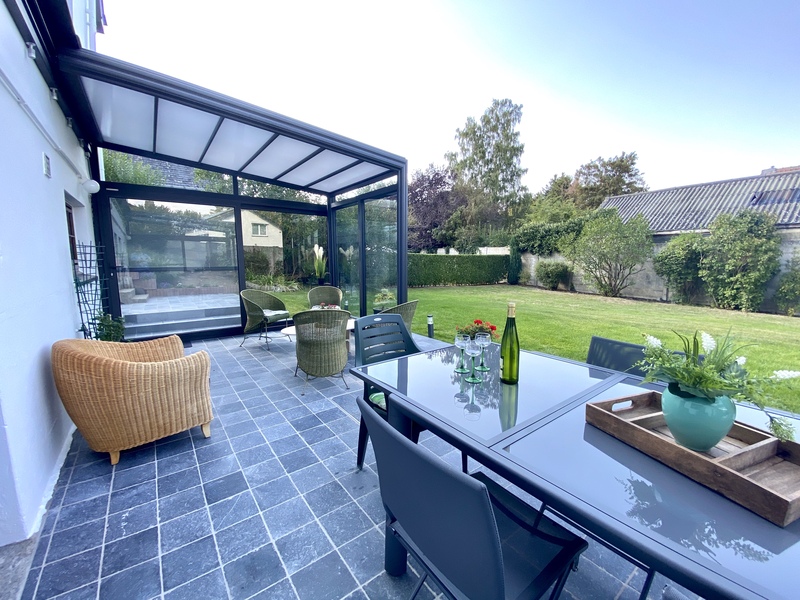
(123,395)
(324,293)
(321,342)
(262,309)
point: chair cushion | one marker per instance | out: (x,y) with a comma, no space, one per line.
(276,315)
(378,399)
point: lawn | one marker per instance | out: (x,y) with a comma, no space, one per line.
(563,323)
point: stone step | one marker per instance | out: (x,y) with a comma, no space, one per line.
(169,327)
(181,315)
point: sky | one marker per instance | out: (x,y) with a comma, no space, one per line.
(701,90)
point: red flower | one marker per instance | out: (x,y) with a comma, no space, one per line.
(478,322)
(493,327)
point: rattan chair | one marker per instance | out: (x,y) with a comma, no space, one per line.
(324,293)
(123,395)
(405,310)
(321,343)
(262,309)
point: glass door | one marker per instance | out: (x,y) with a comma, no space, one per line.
(349,257)
(176,267)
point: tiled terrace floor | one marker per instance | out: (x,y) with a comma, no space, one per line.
(271,506)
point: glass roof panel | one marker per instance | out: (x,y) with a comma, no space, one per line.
(183,131)
(322,164)
(123,116)
(279,156)
(234,144)
(353,175)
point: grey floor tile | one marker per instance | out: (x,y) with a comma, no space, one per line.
(177,482)
(232,510)
(327,498)
(69,573)
(225,487)
(241,538)
(76,539)
(137,583)
(210,585)
(77,492)
(303,546)
(189,562)
(274,492)
(181,503)
(364,555)
(254,572)
(346,523)
(287,516)
(134,476)
(133,520)
(325,579)
(81,512)
(311,477)
(129,551)
(184,530)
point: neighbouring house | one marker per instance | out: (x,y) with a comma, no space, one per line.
(693,208)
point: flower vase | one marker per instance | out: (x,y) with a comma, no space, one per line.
(697,423)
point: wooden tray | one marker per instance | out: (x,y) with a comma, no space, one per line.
(749,466)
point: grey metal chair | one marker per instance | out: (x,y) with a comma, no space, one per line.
(470,535)
(262,309)
(616,355)
(324,293)
(321,343)
(377,338)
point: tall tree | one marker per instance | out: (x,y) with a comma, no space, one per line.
(488,158)
(602,177)
(432,199)
(553,204)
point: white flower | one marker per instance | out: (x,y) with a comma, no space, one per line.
(786,374)
(652,342)
(318,251)
(708,342)
(741,360)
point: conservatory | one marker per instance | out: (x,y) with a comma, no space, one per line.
(201,195)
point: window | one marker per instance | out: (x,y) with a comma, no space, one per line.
(73,246)
(259,229)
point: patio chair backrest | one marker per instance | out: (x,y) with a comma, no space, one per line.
(324,293)
(443,515)
(616,355)
(381,337)
(321,341)
(405,310)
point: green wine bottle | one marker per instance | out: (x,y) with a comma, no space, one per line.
(509,348)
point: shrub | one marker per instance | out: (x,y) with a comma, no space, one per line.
(741,256)
(550,273)
(679,264)
(514,264)
(543,238)
(109,329)
(788,295)
(446,269)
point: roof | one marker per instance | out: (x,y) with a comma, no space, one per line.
(695,207)
(128,108)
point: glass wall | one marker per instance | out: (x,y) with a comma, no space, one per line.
(380,246)
(349,257)
(175,266)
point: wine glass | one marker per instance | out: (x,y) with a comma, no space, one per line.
(472,412)
(483,340)
(472,349)
(461,342)
(461,397)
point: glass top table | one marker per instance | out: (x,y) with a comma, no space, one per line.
(490,410)
(536,436)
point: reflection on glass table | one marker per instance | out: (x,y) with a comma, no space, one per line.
(429,381)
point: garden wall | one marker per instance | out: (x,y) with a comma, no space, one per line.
(649,286)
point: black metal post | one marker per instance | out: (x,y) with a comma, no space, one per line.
(430,326)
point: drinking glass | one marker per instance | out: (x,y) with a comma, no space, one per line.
(461,342)
(472,349)
(483,340)
(472,411)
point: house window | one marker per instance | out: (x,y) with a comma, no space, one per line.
(259,229)
(73,246)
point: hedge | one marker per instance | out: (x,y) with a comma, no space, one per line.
(542,238)
(460,269)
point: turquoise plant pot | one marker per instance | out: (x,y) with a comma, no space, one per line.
(698,423)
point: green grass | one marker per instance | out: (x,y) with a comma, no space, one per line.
(561,323)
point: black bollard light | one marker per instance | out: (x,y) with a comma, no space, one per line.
(430,326)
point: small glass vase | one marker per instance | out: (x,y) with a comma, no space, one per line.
(697,423)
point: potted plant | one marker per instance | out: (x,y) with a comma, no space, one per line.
(320,263)
(108,328)
(383,299)
(478,326)
(702,383)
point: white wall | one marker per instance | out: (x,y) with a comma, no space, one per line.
(38,303)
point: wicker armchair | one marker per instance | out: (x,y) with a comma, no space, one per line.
(321,343)
(262,309)
(122,395)
(324,293)
(405,310)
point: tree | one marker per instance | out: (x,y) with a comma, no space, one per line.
(742,255)
(432,199)
(597,180)
(610,252)
(125,168)
(679,264)
(488,159)
(553,204)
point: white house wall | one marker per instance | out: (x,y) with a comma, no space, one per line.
(38,304)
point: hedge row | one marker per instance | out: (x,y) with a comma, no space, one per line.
(461,269)
(542,238)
